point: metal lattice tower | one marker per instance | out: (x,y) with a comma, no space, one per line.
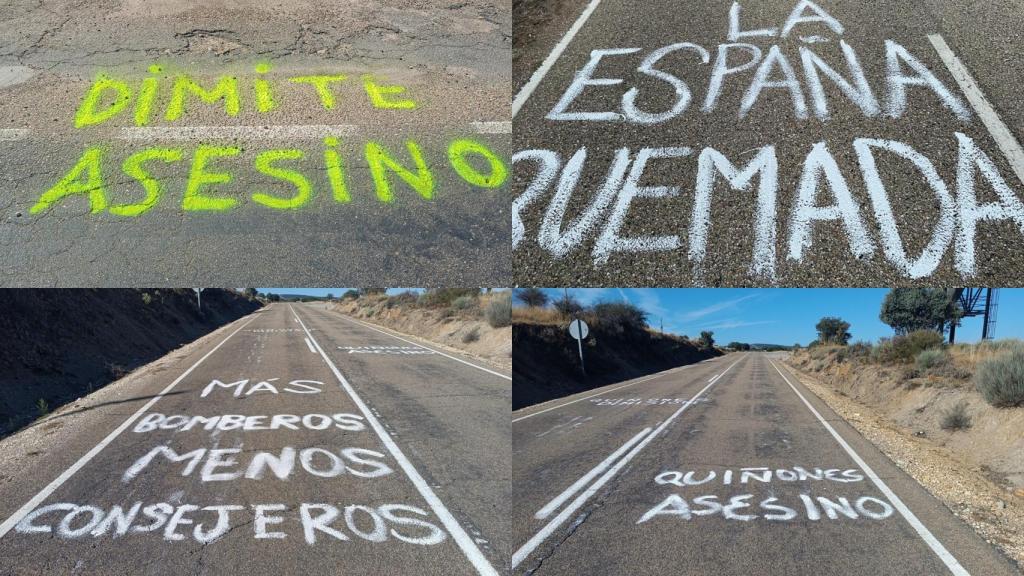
(975,302)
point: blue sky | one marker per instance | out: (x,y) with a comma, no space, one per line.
(782,315)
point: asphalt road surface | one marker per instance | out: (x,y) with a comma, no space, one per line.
(725,467)
(192,193)
(290,441)
(779,142)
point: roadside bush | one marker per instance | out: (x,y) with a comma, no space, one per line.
(860,349)
(402,299)
(906,348)
(463,302)
(471,336)
(956,418)
(350,295)
(443,297)
(146,298)
(499,311)
(932,358)
(619,317)
(1001,379)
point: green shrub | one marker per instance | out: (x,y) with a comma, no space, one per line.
(443,297)
(463,302)
(931,358)
(1001,379)
(956,418)
(406,298)
(471,336)
(146,298)
(499,311)
(906,348)
(860,349)
(618,317)
(43,407)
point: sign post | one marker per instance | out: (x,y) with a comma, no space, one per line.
(578,329)
(199,299)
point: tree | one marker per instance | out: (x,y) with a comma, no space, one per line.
(350,295)
(271,297)
(568,305)
(330,296)
(910,309)
(620,316)
(533,297)
(832,330)
(250,293)
(706,340)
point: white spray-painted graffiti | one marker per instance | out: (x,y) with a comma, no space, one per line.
(643,401)
(774,506)
(396,350)
(957,198)
(320,522)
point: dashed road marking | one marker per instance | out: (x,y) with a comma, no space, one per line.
(462,539)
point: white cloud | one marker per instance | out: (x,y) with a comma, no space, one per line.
(715,308)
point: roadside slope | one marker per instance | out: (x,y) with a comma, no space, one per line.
(62,344)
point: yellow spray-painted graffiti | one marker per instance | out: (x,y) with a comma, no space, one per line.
(211,168)
(209,176)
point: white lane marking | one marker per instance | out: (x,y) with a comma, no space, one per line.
(933,543)
(468,546)
(527,90)
(524,552)
(12,134)
(645,379)
(230,132)
(493,127)
(310,345)
(579,484)
(1004,138)
(427,347)
(60,480)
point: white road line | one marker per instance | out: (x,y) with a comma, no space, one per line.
(363,324)
(645,379)
(230,132)
(12,134)
(60,480)
(493,127)
(524,552)
(527,90)
(579,484)
(926,535)
(468,546)
(1004,138)
(310,345)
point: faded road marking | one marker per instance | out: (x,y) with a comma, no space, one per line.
(493,127)
(1004,138)
(311,132)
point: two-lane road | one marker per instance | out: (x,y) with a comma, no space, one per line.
(725,467)
(290,439)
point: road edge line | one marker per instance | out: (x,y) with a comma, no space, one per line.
(526,549)
(462,539)
(1005,140)
(947,558)
(538,75)
(59,481)
(365,325)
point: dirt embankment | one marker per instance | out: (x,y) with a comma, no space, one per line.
(977,471)
(62,344)
(546,364)
(462,327)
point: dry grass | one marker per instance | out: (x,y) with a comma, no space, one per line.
(534,315)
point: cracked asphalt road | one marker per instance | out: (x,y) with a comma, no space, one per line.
(452,60)
(343,502)
(650,55)
(719,468)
